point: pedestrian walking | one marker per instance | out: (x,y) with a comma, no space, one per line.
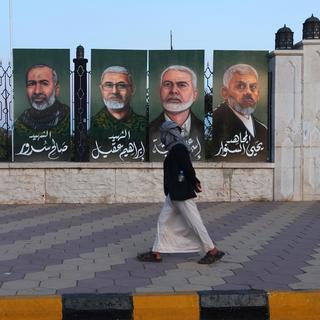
(180,228)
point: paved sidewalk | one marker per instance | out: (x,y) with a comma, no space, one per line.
(59,249)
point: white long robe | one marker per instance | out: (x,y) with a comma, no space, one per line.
(180,229)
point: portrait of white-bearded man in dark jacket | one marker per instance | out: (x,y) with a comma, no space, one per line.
(236,134)
(178,92)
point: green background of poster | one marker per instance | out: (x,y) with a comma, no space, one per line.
(134,60)
(59,59)
(161,59)
(223,59)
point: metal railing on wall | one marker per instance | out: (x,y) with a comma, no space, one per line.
(6,92)
(80,108)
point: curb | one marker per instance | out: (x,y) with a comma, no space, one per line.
(243,304)
(204,305)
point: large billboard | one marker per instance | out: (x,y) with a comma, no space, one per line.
(240,107)
(176,93)
(41,104)
(118,130)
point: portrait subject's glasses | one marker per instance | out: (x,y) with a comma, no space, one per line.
(118,85)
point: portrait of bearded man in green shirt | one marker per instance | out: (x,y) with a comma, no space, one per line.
(117,132)
(42,131)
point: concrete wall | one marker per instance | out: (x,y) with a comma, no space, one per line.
(67,182)
(294,175)
(296,107)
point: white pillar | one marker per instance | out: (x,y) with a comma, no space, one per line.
(311,119)
(296,109)
(286,67)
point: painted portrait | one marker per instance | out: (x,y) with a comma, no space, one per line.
(240,107)
(118,130)
(41,104)
(177,94)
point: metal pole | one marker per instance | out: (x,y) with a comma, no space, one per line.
(10,110)
(81,146)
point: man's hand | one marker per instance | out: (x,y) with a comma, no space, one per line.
(198,187)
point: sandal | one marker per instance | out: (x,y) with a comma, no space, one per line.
(211,258)
(148,257)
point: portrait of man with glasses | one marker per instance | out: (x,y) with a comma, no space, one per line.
(117,132)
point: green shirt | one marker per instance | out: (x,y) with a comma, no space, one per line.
(118,140)
(43,135)
(5,146)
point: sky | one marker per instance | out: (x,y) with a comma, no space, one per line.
(146,24)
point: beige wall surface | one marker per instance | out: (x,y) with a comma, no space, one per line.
(109,183)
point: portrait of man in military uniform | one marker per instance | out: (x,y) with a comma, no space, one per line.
(46,112)
(118,132)
(42,128)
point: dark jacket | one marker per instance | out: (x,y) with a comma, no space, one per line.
(227,127)
(196,133)
(177,160)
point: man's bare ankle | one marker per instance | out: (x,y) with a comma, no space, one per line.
(214,251)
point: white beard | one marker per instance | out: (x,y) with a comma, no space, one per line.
(45,104)
(114,105)
(244,111)
(177,107)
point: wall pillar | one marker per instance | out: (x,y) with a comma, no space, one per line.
(296,111)
(286,67)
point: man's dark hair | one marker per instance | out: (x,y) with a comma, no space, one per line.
(54,73)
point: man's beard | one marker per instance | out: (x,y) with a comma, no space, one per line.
(114,105)
(246,111)
(177,107)
(46,103)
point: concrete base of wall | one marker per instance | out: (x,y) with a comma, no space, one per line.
(67,182)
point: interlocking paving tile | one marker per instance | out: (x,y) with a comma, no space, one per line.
(50,249)
(283,259)
(276,219)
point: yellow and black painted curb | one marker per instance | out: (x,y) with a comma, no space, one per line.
(203,305)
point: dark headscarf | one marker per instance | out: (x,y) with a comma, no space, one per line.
(170,134)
